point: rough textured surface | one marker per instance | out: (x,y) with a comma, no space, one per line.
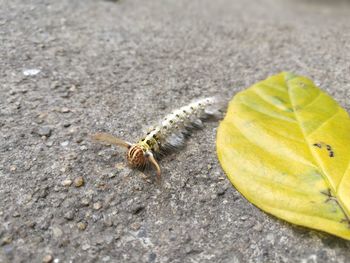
(70,68)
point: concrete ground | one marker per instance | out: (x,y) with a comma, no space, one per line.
(71,68)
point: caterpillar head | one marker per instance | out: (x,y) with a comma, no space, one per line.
(136,156)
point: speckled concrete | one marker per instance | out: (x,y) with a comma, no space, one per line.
(71,68)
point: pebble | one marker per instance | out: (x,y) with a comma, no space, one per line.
(31,72)
(258,227)
(16,214)
(79,181)
(108,221)
(83,148)
(135,226)
(49,144)
(85,247)
(65,143)
(6,240)
(112,175)
(45,131)
(13,168)
(106,258)
(81,226)
(120,166)
(65,110)
(47,259)
(65,95)
(97,205)
(244,218)
(85,202)
(69,215)
(57,232)
(67,182)
(271,238)
(72,88)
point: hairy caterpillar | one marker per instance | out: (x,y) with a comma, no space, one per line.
(170,134)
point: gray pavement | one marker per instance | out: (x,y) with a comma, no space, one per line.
(71,68)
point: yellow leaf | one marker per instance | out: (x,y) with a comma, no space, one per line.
(285,145)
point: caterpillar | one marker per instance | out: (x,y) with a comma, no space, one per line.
(168,135)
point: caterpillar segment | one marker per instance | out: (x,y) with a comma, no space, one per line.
(169,135)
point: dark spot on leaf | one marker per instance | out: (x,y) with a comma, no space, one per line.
(301,84)
(317,145)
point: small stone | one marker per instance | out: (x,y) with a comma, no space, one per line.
(120,166)
(85,247)
(72,88)
(270,238)
(112,175)
(57,232)
(65,95)
(47,259)
(72,130)
(67,182)
(108,221)
(13,168)
(85,202)
(65,110)
(30,224)
(79,181)
(97,205)
(135,226)
(45,131)
(69,215)
(31,72)
(106,258)
(49,144)
(66,124)
(44,225)
(258,227)
(99,240)
(244,218)
(6,240)
(81,226)
(83,148)
(65,143)
(16,214)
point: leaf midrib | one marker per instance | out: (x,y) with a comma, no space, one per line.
(323,173)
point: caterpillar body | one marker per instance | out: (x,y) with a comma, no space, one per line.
(169,135)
